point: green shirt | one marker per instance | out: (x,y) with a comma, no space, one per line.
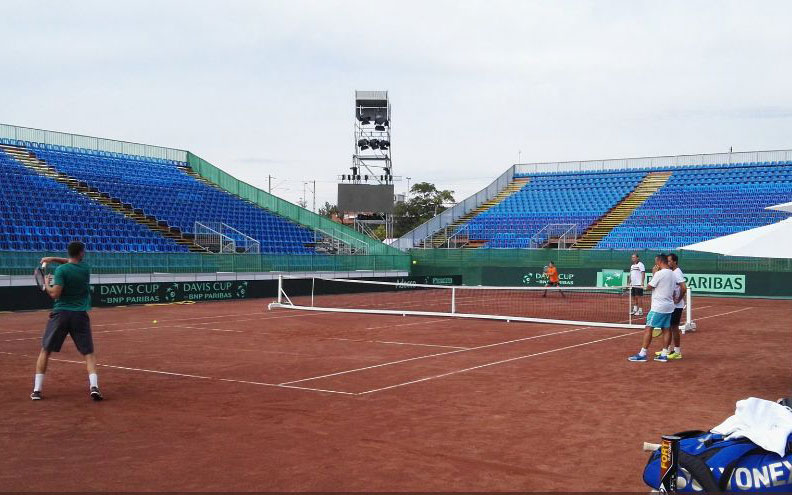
(75,278)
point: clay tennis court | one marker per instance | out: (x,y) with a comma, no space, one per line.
(232,397)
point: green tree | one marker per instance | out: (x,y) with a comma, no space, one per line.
(425,202)
(328,210)
(379,232)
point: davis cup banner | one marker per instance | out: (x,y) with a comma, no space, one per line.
(157,293)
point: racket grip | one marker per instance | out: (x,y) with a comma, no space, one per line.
(650,447)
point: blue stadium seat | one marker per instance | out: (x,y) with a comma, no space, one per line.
(697,203)
(159,187)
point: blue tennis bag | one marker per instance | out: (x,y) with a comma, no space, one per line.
(710,464)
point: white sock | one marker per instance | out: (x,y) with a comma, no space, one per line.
(93,379)
(664,352)
(678,350)
(643,351)
(38,382)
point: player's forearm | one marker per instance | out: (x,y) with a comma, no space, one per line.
(53,259)
(53,292)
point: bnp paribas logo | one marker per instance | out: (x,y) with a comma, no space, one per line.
(610,278)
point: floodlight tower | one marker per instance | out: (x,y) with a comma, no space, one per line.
(372,157)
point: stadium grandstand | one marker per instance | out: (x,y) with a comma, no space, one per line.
(640,203)
(144,208)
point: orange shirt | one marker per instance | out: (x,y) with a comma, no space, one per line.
(552,274)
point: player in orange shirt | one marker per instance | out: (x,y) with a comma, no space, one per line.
(552,278)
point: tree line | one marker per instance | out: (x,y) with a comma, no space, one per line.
(424,202)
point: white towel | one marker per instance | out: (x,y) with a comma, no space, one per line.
(763,422)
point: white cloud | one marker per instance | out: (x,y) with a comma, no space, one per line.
(265,88)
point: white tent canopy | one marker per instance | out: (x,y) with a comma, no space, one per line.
(769,241)
(781,207)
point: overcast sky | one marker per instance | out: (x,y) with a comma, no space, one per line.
(264,88)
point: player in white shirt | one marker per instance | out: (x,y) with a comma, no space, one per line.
(680,291)
(662,286)
(637,276)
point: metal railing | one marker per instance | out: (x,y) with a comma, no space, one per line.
(414,237)
(449,237)
(562,234)
(340,243)
(213,240)
(218,237)
(32,135)
(669,161)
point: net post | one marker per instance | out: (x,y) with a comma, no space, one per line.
(280,289)
(313,284)
(453,299)
(629,305)
(689,325)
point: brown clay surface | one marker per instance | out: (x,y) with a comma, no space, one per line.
(203,400)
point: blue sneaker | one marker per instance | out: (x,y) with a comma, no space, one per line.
(637,358)
(661,358)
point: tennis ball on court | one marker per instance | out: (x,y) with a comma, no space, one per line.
(155,321)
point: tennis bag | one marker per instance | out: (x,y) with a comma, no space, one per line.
(710,464)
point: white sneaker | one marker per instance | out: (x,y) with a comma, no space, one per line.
(640,313)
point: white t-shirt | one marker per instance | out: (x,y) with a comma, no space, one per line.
(679,278)
(663,294)
(637,274)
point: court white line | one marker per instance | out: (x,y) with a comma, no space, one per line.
(433,355)
(317,389)
(633,332)
(722,314)
(180,319)
(497,362)
(424,322)
(97,332)
(208,329)
(394,343)
(188,375)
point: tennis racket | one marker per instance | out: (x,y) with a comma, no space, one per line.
(43,276)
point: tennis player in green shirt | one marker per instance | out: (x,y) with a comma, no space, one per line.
(71,290)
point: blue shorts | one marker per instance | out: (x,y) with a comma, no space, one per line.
(658,320)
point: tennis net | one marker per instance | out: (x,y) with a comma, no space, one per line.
(591,306)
